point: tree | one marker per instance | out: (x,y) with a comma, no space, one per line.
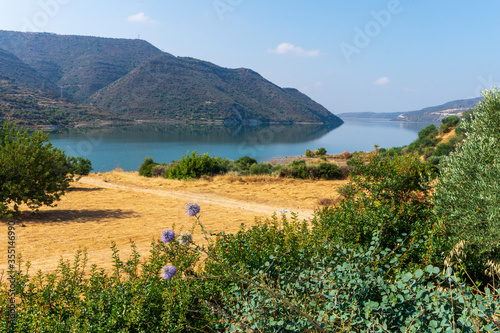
(31,170)
(468,191)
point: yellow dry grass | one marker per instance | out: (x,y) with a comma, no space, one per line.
(447,136)
(124,207)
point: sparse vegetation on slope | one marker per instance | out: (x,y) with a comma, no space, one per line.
(189,89)
(36,108)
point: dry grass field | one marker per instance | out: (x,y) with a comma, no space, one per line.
(124,207)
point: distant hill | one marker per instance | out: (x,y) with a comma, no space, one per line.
(80,64)
(14,68)
(134,79)
(187,88)
(436,113)
(429,114)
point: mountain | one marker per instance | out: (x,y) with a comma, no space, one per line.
(436,113)
(428,114)
(81,65)
(38,108)
(135,80)
(14,68)
(179,88)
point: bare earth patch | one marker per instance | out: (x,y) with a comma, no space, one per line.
(124,207)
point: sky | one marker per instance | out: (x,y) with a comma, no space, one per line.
(349,56)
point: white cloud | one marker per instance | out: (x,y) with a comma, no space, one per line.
(382,81)
(319,84)
(140,18)
(289,48)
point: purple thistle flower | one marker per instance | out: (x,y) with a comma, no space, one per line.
(192,209)
(168,272)
(167,235)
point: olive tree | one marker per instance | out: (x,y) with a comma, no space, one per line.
(32,171)
(468,191)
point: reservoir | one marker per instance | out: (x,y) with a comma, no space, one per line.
(125,147)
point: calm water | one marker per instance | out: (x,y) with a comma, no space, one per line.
(127,146)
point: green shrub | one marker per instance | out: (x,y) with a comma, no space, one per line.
(329,171)
(300,170)
(146,167)
(159,170)
(296,169)
(428,132)
(428,152)
(435,160)
(195,166)
(134,298)
(350,292)
(448,124)
(321,152)
(81,166)
(468,192)
(261,169)
(242,165)
(387,196)
(443,149)
(309,153)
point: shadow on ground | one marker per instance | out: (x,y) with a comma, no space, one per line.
(84,189)
(74,215)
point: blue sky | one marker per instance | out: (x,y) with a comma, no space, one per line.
(350,56)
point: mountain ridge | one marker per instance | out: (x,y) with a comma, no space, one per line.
(210,92)
(130,78)
(427,114)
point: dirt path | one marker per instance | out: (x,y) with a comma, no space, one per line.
(200,198)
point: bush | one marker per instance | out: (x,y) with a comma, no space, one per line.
(346,155)
(146,168)
(300,170)
(435,160)
(261,169)
(448,124)
(81,166)
(296,169)
(309,153)
(159,170)
(195,166)
(468,192)
(443,149)
(329,171)
(429,131)
(32,171)
(133,298)
(389,197)
(321,152)
(242,165)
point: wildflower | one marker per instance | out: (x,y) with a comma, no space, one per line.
(192,209)
(168,272)
(185,238)
(167,235)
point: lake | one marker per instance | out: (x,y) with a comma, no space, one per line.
(126,147)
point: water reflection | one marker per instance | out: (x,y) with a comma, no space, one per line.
(199,133)
(126,146)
